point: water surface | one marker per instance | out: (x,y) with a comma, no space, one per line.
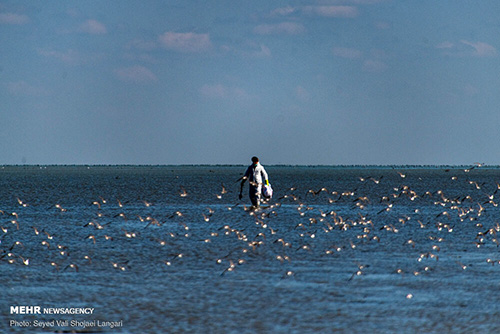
(348,250)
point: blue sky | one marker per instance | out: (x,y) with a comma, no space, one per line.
(334,82)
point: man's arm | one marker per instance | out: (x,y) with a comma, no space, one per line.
(265,176)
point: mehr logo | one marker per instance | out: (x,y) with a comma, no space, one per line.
(25,310)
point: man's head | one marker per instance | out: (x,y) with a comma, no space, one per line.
(255,160)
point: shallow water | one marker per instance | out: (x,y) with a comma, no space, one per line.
(373,252)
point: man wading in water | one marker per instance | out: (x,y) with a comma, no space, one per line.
(255,174)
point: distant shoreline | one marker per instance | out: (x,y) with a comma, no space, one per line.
(244,165)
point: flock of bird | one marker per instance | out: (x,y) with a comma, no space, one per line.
(297,225)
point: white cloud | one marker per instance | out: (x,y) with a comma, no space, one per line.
(374,66)
(382,25)
(481,49)
(214,91)
(373,62)
(93,27)
(467,49)
(137,74)
(73,12)
(329,8)
(324,11)
(364,2)
(290,28)
(71,57)
(470,90)
(141,57)
(284,11)
(347,53)
(141,44)
(223,92)
(353,2)
(22,88)
(11,18)
(302,94)
(379,54)
(249,49)
(185,42)
(261,52)
(445,45)
(331,11)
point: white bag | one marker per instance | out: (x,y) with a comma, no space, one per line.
(267,191)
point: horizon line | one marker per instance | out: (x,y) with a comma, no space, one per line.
(483,166)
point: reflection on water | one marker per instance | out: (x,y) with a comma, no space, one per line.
(163,249)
